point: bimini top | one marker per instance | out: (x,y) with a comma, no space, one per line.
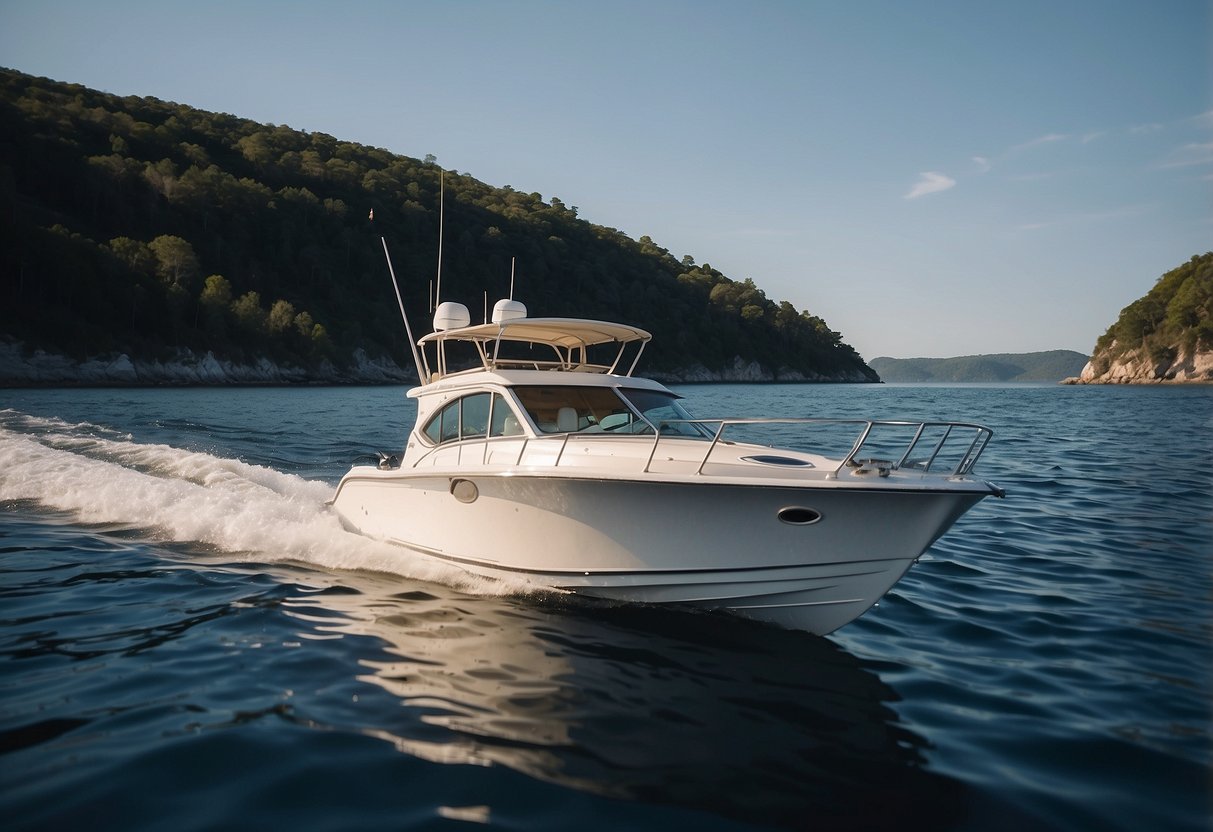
(569,340)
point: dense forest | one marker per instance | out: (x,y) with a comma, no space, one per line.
(1170,323)
(147,227)
(1051,365)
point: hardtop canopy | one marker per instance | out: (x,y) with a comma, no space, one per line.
(564,333)
(570,338)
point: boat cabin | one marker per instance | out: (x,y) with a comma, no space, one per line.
(536,377)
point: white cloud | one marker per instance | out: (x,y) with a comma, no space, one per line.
(1189,154)
(1040,140)
(930,182)
(983,163)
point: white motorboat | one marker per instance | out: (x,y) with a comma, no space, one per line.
(537,454)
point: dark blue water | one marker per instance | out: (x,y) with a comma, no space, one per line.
(188,640)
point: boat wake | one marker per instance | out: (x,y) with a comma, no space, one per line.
(95,475)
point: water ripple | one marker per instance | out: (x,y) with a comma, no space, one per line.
(191,641)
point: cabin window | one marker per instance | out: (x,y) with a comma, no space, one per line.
(504,422)
(474,418)
(470,417)
(433,428)
(450,422)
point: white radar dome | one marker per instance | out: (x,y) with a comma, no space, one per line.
(451,315)
(508,310)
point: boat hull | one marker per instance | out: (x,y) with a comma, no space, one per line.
(810,558)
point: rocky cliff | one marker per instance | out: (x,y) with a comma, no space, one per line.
(1164,336)
(1138,367)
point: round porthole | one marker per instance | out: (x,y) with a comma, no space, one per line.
(465,491)
(799,516)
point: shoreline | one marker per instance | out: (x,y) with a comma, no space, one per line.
(42,369)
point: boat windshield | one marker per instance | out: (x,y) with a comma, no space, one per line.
(665,411)
(566,409)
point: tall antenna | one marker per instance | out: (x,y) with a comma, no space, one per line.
(441,223)
(408,330)
(512,278)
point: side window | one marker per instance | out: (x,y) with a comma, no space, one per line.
(471,417)
(475,417)
(433,429)
(450,421)
(468,418)
(444,426)
(505,423)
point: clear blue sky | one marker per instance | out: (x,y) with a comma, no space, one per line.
(933,179)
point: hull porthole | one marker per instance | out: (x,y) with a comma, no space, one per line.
(465,491)
(798,516)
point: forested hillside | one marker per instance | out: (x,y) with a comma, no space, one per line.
(1165,335)
(147,227)
(1051,365)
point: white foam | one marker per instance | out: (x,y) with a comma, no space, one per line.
(248,511)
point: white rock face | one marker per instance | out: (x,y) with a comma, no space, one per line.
(1198,367)
(1136,367)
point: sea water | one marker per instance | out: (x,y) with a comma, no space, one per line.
(189,640)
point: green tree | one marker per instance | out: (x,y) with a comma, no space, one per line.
(1185,307)
(257,148)
(176,263)
(304,324)
(281,317)
(249,313)
(213,302)
(216,292)
(134,254)
(322,345)
(162,176)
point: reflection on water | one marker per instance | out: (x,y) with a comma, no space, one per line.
(695,711)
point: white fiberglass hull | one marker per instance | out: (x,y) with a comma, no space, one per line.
(706,544)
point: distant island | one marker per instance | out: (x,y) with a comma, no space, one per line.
(144,241)
(1164,336)
(1052,365)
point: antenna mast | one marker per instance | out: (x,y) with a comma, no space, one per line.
(407,329)
(441,223)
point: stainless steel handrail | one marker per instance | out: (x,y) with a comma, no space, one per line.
(981,436)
